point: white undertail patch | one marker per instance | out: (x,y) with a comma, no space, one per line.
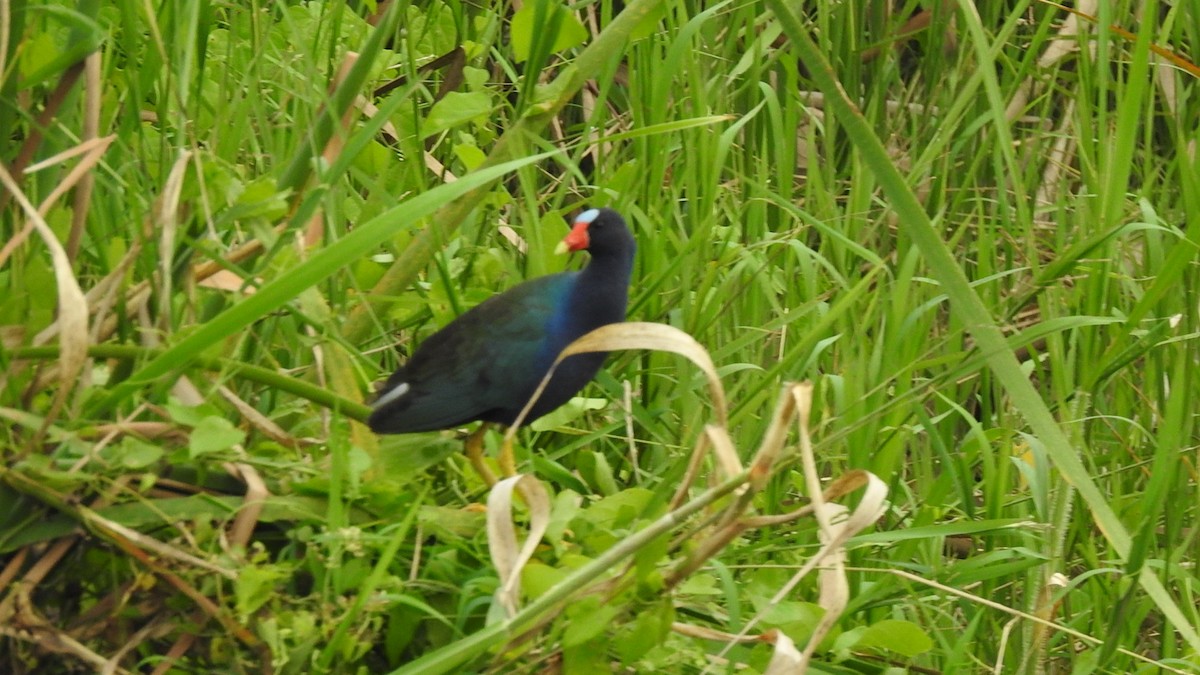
(391,395)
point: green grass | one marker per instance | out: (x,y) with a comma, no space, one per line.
(983,257)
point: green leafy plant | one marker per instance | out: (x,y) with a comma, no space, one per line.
(971,226)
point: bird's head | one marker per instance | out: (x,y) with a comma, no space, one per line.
(599,232)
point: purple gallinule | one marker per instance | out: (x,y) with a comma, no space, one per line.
(486,364)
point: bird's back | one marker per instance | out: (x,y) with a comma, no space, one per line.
(484,365)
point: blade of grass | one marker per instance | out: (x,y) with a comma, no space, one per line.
(966,304)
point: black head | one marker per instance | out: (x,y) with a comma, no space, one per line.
(601,232)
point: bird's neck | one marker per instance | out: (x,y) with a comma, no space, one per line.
(603,287)
(607,271)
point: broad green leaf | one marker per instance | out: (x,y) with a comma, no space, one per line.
(902,637)
(191,415)
(537,578)
(568,413)
(700,584)
(587,619)
(549,15)
(648,630)
(618,510)
(134,453)
(213,434)
(454,109)
(255,586)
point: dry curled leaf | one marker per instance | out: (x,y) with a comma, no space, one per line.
(507,557)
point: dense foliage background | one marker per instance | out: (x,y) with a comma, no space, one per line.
(974,229)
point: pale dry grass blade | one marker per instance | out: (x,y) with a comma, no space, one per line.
(242,529)
(508,557)
(836,529)
(726,455)
(786,659)
(110,528)
(638,335)
(72,306)
(1058,49)
(773,440)
(166,218)
(91,150)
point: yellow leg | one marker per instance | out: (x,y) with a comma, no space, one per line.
(475,455)
(508,465)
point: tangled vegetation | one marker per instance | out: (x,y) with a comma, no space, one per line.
(910,382)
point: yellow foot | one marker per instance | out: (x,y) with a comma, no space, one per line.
(508,465)
(475,455)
